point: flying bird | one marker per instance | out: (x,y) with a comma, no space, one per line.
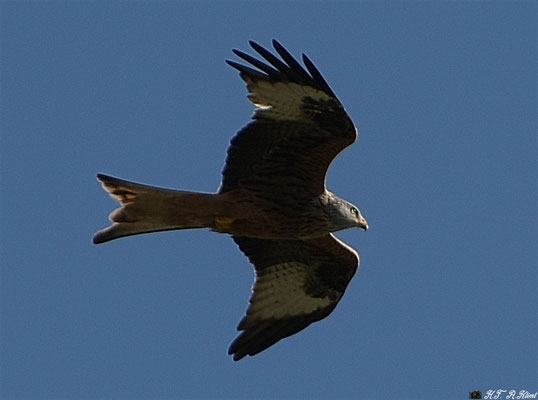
(272,200)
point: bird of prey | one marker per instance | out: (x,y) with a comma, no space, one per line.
(272,200)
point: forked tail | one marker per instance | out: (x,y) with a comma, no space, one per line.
(151,209)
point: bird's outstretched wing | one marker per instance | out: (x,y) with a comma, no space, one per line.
(297,129)
(297,282)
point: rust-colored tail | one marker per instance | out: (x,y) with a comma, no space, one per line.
(151,209)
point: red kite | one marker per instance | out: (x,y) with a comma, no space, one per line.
(272,200)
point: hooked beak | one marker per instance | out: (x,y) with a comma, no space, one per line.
(363,224)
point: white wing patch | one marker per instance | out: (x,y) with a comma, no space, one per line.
(281,100)
(279,292)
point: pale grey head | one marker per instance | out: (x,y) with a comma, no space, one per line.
(343,214)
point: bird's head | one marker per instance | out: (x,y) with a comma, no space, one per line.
(359,219)
(343,215)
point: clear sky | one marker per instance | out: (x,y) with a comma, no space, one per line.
(444,96)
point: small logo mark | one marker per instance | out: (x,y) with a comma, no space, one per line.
(475,394)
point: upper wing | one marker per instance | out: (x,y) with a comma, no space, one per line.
(297,129)
(297,283)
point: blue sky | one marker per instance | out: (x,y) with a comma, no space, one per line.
(444,96)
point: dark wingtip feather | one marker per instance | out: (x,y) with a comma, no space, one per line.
(317,75)
(286,68)
(292,62)
(257,63)
(243,69)
(102,236)
(103,177)
(271,58)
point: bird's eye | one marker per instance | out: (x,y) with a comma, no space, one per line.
(354,210)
